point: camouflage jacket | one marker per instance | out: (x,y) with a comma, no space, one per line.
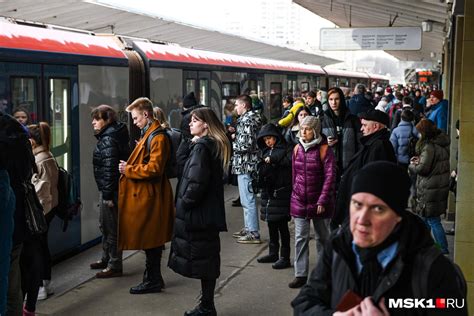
(246,154)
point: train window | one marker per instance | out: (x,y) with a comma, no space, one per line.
(305,86)
(230,90)
(190,86)
(275,100)
(203,91)
(24,95)
(59,98)
(253,85)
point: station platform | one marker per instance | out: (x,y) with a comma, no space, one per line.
(245,286)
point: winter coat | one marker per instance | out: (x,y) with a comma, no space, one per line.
(274,177)
(112,146)
(359,104)
(200,214)
(146,208)
(46,180)
(348,136)
(291,135)
(375,147)
(286,120)
(7,205)
(433,172)
(398,116)
(439,115)
(246,153)
(313,182)
(316,108)
(337,272)
(16,152)
(400,138)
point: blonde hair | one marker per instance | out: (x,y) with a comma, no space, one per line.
(142,105)
(216,132)
(159,115)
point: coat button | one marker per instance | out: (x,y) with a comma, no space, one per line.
(134,195)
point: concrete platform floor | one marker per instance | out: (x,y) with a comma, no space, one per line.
(244,288)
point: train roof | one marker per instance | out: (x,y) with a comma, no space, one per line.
(346,73)
(37,39)
(177,54)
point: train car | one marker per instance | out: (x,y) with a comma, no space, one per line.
(346,79)
(217,78)
(60,75)
(378,81)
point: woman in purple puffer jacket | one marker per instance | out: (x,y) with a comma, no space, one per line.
(313,196)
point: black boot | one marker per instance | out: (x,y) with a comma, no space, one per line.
(202,310)
(270,258)
(152,279)
(282,263)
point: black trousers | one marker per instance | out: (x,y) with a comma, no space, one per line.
(31,264)
(46,255)
(279,230)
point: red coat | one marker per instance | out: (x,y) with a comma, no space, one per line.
(146,207)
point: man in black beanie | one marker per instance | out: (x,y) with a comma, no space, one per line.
(189,104)
(376,146)
(384,255)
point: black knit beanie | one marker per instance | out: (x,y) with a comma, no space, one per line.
(387,181)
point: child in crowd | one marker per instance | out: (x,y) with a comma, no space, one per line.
(274,177)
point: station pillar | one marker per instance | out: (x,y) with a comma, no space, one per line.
(464,238)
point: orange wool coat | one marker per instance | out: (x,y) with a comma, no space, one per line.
(146,207)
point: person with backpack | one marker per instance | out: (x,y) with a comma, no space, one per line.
(46,187)
(112,146)
(146,208)
(200,209)
(274,179)
(384,253)
(313,195)
(403,137)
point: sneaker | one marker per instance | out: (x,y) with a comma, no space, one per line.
(282,263)
(297,282)
(27,312)
(42,295)
(240,233)
(48,287)
(249,239)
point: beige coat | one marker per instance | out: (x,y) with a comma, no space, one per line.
(146,207)
(46,180)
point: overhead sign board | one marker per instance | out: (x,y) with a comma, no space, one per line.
(371,38)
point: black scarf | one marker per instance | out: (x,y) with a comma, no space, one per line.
(371,268)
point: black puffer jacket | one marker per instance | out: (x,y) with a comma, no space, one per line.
(200,214)
(375,147)
(112,146)
(17,157)
(336,273)
(274,177)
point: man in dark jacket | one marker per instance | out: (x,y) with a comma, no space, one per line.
(112,146)
(376,145)
(313,104)
(189,104)
(386,254)
(359,102)
(20,166)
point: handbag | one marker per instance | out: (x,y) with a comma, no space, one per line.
(35,219)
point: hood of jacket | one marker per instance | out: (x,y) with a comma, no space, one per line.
(117,130)
(268,130)
(209,143)
(442,140)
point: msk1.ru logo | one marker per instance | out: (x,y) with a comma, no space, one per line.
(439,303)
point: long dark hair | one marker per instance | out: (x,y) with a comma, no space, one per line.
(41,134)
(342,101)
(295,119)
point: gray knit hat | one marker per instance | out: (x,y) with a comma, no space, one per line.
(314,123)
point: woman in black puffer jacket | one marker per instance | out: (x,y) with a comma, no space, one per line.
(200,211)
(112,146)
(274,178)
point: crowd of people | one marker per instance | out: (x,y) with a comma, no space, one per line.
(371,173)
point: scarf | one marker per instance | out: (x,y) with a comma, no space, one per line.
(314,142)
(372,270)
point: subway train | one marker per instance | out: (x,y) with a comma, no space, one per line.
(60,75)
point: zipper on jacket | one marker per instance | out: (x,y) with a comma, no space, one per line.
(305,186)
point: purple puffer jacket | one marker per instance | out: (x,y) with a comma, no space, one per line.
(313,182)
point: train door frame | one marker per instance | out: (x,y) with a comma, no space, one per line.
(197,76)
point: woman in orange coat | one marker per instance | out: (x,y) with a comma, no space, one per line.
(146,208)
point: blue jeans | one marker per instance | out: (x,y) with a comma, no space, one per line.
(438,232)
(249,204)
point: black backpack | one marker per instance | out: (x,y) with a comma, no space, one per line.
(412,145)
(67,206)
(174,136)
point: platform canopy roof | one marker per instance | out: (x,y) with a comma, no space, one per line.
(101,18)
(380,13)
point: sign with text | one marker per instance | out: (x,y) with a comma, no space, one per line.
(371,38)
